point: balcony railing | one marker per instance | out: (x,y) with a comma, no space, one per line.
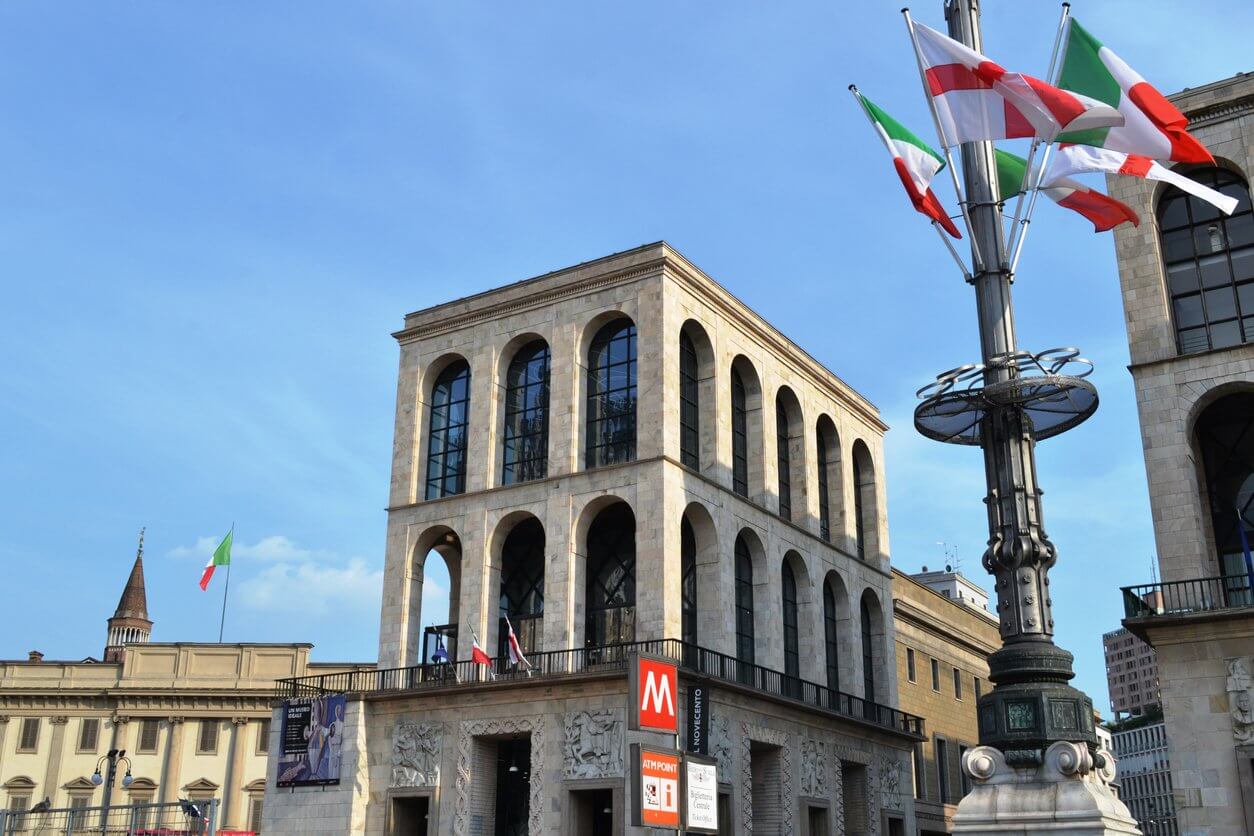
(1177,598)
(613,658)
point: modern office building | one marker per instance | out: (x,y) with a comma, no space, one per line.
(1187,277)
(618,457)
(1131,674)
(1145,776)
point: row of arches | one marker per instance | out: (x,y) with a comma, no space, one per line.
(780,612)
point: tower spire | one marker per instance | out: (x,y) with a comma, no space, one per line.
(130,623)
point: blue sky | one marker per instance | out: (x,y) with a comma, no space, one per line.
(215,214)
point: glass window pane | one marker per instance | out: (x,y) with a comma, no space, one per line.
(1246,295)
(1172,212)
(1220,304)
(1202,211)
(1243,264)
(1177,245)
(1215,270)
(1193,339)
(1209,239)
(1225,334)
(1182,277)
(1188,311)
(1240,192)
(1240,230)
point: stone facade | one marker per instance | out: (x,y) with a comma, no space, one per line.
(932,629)
(1208,764)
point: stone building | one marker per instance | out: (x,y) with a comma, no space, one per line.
(1145,776)
(193,718)
(1187,276)
(618,456)
(1131,674)
(943,643)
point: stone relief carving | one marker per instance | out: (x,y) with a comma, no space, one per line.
(594,745)
(838,797)
(1241,699)
(720,744)
(416,751)
(750,733)
(890,783)
(533,725)
(813,768)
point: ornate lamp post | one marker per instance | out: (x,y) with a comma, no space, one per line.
(110,762)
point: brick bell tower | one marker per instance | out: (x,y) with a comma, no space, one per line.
(130,623)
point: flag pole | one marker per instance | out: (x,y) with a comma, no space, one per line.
(225,587)
(1064,35)
(1036,140)
(949,158)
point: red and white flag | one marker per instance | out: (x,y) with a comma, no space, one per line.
(477,654)
(516,656)
(1076,159)
(978,99)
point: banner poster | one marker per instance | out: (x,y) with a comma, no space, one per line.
(698,729)
(313,734)
(700,794)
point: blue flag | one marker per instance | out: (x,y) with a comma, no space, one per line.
(1245,548)
(440,655)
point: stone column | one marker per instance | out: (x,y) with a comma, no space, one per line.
(52,775)
(234,816)
(4,728)
(170,763)
(119,739)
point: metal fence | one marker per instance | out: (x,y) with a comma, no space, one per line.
(177,818)
(1175,598)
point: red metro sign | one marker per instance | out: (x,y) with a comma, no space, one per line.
(654,684)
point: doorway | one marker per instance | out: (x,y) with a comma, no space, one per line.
(410,815)
(513,786)
(592,812)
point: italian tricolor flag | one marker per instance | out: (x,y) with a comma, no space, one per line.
(221,557)
(1104,211)
(916,163)
(1075,159)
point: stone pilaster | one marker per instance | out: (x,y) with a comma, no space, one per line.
(170,763)
(234,816)
(52,775)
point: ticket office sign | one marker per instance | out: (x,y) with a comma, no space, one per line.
(700,787)
(657,779)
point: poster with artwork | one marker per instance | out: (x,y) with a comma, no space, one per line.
(313,739)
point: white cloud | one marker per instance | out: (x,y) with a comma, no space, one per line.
(316,590)
(275,548)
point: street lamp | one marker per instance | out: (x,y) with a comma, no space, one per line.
(110,762)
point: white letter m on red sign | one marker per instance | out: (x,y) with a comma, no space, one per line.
(657,690)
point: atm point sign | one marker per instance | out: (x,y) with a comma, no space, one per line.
(657,787)
(654,684)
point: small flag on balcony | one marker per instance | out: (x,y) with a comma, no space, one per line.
(440,654)
(1245,549)
(477,654)
(516,656)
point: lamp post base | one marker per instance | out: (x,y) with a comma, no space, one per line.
(1069,793)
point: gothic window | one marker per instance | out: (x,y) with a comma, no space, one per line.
(610,593)
(868,652)
(612,395)
(825,510)
(831,638)
(785,463)
(740,435)
(744,601)
(688,559)
(1209,260)
(522,585)
(450,416)
(1225,440)
(526,437)
(792,649)
(689,404)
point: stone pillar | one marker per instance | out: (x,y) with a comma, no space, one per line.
(170,763)
(234,815)
(4,728)
(120,737)
(52,775)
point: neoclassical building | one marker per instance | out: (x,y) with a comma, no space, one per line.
(1187,276)
(612,457)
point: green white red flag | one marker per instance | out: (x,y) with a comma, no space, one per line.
(1152,126)
(976,99)
(915,162)
(1104,211)
(221,557)
(1075,159)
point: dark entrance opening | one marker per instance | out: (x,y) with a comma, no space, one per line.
(410,815)
(816,820)
(592,812)
(513,786)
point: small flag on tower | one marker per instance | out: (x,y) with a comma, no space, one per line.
(221,557)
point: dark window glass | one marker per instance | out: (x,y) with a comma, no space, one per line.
(740,435)
(935,675)
(688,553)
(526,437)
(792,645)
(825,512)
(957,684)
(1204,250)
(744,602)
(610,593)
(868,653)
(1225,438)
(785,463)
(522,585)
(942,769)
(859,525)
(612,395)
(450,415)
(689,399)
(978,688)
(831,638)
(910,671)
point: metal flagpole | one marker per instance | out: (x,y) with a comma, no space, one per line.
(226,587)
(1024,186)
(976,255)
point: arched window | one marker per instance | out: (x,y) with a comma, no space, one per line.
(868,652)
(1209,261)
(744,601)
(522,585)
(785,462)
(825,508)
(688,581)
(1225,440)
(740,435)
(689,404)
(527,415)
(610,593)
(831,638)
(612,395)
(446,447)
(792,648)
(859,509)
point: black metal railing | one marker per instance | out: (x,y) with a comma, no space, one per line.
(612,658)
(1198,595)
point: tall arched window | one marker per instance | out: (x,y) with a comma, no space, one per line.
(689,404)
(1225,440)
(744,601)
(446,446)
(792,645)
(740,435)
(612,395)
(526,438)
(868,652)
(859,509)
(825,508)
(1209,261)
(522,585)
(688,581)
(831,638)
(610,592)
(785,462)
